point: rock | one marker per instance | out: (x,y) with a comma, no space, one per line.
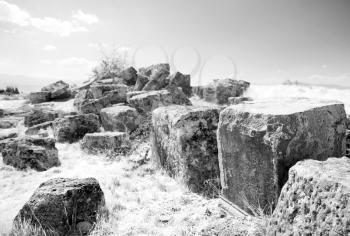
(36,153)
(259,141)
(148,71)
(184,143)
(220,90)
(9,122)
(58,90)
(39,97)
(198,90)
(129,76)
(72,128)
(39,128)
(99,90)
(7,136)
(158,80)
(81,96)
(94,105)
(129,95)
(149,101)
(238,100)
(119,118)
(118,95)
(104,142)
(141,82)
(347,143)
(60,205)
(38,116)
(2,112)
(315,200)
(180,80)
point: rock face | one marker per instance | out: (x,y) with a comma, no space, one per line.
(120,118)
(9,122)
(129,76)
(149,101)
(60,205)
(158,80)
(141,82)
(259,141)
(39,97)
(184,143)
(38,116)
(100,90)
(220,90)
(148,71)
(72,128)
(35,129)
(104,142)
(94,105)
(81,96)
(58,90)
(129,95)
(180,80)
(36,153)
(315,200)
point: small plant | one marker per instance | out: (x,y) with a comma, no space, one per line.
(109,67)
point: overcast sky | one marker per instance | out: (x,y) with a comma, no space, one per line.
(269,41)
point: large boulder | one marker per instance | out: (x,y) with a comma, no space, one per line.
(94,105)
(140,82)
(63,206)
(158,80)
(129,76)
(39,97)
(147,102)
(29,152)
(72,128)
(58,90)
(38,116)
(259,141)
(105,142)
(2,113)
(315,200)
(184,143)
(120,118)
(220,90)
(180,80)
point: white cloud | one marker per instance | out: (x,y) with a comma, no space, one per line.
(49,47)
(85,17)
(11,13)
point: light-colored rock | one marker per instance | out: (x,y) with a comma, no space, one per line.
(118,95)
(220,90)
(149,101)
(38,116)
(315,200)
(58,90)
(184,143)
(158,80)
(129,95)
(39,97)
(180,80)
(72,128)
(105,142)
(81,96)
(259,141)
(141,82)
(120,118)
(148,71)
(99,90)
(29,152)
(60,205)
(9,122)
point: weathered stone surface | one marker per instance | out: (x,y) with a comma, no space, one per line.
(184,143)
(38,116)
(132,94)
(29,152)
(81,96)
(72,128)
(141,82)
(2,112)
(315,200)
(259,141)
(39,97)
(158,80)
(118,95)
(99,90)
(180,80)
(129,76)
(36,129)
(58,90)
(104,142)
(120,118)
(94,105)
(220,90)
(347,143)
(60,205)
(198,90)
(238,100)
(148,71)
(9,122)
(7,136)
(149,101)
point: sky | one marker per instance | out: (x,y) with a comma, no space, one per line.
(264,42)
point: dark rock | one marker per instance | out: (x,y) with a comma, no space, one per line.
(2,112)
(37,129)
(72,128)
(180,80)
(184,143)
(58,90)
(99,90)
(141,82)
(315,200)
(39,97)
(36,153)
(60,205)
(129,76)
(94,105)
(105,142)
(259,141)
(158,80)
(120,118)
(38,116)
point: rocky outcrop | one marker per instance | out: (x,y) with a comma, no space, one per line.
(9,122)
(129,76)
(72,128)
(158,80)
(61,206)
(141,82)
(220,90)
(58,90)
(42,127)
(259,141)
(148,71)
(149,101)
(38,116)
(315,200)
(39,97)
(94,105)
(81,96)
(100,90)
(180,80)
(184,143)
(120,118)
(29,152)
(105,142)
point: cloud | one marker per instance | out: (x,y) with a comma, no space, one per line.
(49,47)
(11,13)
(85,17)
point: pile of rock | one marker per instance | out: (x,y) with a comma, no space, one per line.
(52,92)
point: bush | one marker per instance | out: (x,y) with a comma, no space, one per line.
(9,90)
(109,67)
